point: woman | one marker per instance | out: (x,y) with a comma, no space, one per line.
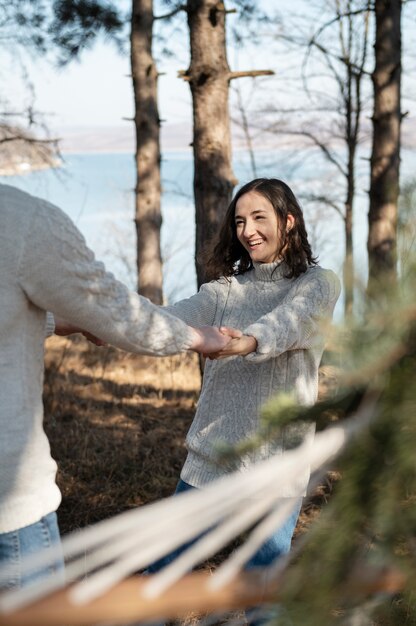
(266,283)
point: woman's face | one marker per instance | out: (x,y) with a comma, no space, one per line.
(257,227)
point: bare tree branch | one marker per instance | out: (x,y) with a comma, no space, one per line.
(178,9)
(251,73)
(325,200)
(246,130)
(318,142)
(341,16)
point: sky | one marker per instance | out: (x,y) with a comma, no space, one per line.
(97,90)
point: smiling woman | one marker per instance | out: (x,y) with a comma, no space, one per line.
(267,284)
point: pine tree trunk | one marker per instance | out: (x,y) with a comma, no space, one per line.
(351,136)
(209,76)
(148,217)
(385,158)
(348,269)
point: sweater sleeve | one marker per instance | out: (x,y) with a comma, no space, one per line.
(199,309)
(296,324)
(59,273)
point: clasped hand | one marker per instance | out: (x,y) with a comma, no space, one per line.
(213,343)
(239,344)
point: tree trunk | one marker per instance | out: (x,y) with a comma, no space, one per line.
(349,256)
(148,217)
(351,138)
(385,158)
(209,77)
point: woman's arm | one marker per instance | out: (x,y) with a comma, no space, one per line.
(296,324)
(199,309)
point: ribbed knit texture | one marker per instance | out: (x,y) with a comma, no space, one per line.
(46,265)
(285,316)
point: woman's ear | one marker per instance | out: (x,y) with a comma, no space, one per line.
(290,222)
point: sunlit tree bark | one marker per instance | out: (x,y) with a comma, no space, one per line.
(208,76)
(385,158)
(148,217)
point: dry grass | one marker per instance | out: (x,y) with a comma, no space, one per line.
(117,424)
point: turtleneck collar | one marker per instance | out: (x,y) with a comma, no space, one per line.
(268,272)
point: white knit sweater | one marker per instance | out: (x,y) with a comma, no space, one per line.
(285,316)
(45,265)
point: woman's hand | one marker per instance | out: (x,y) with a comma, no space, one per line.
(236,347)
(212,340)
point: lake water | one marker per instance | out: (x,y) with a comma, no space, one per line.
(96,191)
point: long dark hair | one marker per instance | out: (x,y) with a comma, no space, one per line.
(227,257)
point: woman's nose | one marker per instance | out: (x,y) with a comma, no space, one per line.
(249,229)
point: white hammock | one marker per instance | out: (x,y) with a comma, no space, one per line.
(108,552)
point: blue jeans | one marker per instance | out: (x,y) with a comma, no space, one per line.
(277,545)
(17,544)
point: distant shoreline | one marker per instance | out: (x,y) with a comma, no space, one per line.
(178,138)
(20,169)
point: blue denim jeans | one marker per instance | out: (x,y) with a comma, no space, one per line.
(277,545)
(17,544)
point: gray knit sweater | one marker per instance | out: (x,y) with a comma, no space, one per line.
(45,265)
(285,316)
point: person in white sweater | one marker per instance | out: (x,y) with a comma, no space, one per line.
(266,283)
(45,265)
